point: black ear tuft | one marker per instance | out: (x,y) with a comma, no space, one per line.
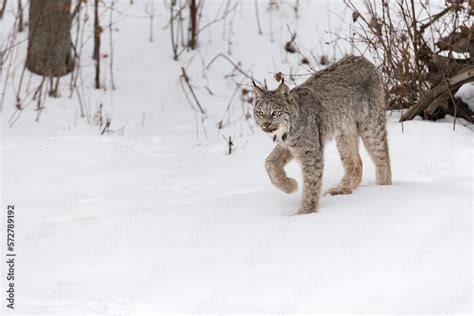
(257,90)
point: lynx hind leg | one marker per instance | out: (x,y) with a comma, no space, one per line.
(348,147)
(374,137)
(275,164)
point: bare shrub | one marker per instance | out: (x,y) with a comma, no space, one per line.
(419,46)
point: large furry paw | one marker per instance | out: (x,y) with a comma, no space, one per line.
(308,209)
(383,180)
(338,191)
(290,186)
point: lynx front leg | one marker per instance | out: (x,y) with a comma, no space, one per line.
(312,169)
(348,147)
(275,164)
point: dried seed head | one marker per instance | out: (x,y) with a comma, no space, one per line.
(278,76)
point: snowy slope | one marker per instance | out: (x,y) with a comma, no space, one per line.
(157,220)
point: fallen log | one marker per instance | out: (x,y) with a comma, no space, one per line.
(439,94)
(432,112)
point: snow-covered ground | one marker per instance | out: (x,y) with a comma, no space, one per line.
(157,220)
(466,93)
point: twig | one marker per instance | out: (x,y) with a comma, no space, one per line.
(106,127)
(224,15)
(233,64)
(258,18)
(96,55)
(111,52)
(2,11)
(229,143)
(186,79)
(174,46)
(76,10)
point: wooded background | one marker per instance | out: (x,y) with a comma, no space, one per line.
(424,51)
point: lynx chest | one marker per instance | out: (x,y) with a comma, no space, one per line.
(280,137)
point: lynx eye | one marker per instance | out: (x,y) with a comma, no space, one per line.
(259,113)
(276,113)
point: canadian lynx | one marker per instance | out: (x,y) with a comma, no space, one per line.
(343,101)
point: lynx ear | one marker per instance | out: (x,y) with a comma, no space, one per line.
(283,89)
(257,90)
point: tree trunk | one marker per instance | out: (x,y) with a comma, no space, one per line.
(49,39)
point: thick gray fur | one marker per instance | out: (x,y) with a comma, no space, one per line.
(344,101)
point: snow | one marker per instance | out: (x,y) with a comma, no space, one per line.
(466,93)
(156,220)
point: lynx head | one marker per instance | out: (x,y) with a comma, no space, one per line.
(272,108)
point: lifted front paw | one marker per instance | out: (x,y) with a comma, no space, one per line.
(290,186)
(338,191)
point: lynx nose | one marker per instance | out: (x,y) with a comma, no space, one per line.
(267,124)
